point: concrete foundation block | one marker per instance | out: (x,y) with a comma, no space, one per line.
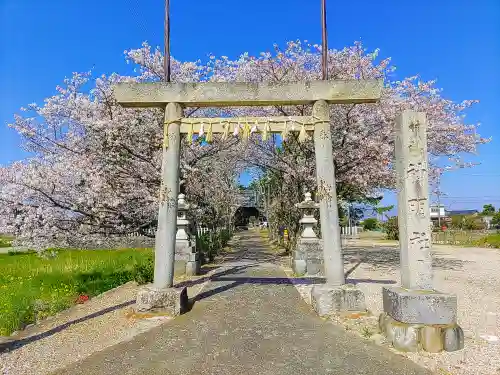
(453,338)
(409,337)
(193,268)
(431,339)
(180,267)
(315,267)
(420,307)
(327,299)
(172,301)
(381,322)
(405,338)
(299,267)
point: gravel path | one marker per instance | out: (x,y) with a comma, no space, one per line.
(250,320)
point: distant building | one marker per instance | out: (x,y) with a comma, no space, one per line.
(462,212)
(440,214)
(437,211)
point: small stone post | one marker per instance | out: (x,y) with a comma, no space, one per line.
(307,258)
(161,295)
(335,296)
(186,257)
(415,315)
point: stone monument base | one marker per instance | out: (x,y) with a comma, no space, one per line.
(433,338)
(420,319)
(328,300)
(172,301)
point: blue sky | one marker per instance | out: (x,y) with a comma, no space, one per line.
(457,42)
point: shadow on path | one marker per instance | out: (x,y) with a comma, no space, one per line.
(390,258)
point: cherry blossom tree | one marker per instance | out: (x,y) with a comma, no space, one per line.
(95,166)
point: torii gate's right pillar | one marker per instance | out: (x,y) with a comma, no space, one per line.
(335,295)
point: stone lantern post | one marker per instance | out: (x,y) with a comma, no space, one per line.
(187,260)
(308,255)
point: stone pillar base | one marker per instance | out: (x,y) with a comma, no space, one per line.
(328,300)
(425,319)
(407,337)
(172,301)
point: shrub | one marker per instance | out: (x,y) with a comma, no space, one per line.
(210,243)
(143,273)
(391,228)
(474,223)
(370,223)
(468,222)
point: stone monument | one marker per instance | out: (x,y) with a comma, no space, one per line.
(415,315)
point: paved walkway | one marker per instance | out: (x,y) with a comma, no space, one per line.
(248,320)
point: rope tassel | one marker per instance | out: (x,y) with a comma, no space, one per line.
(225,135)
(255,128)
(265,133)
(302,134)
(165,135)
(284,134)
(189,138)
(246,132)
(209,137)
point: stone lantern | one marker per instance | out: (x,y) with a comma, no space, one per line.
(187,260)
(182,221)
(308,255)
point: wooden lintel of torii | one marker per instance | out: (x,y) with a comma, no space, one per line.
(239,94)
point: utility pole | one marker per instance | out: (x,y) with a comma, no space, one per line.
(166,62)
(324,40)
(439,208)
(349,218)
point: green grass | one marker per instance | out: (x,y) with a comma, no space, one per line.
(492,240)
(5,241)
(32,287)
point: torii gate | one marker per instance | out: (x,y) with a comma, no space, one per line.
(175,96)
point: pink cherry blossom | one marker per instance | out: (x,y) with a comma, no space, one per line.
(95,166)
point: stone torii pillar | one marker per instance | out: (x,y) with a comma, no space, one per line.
(174,96)
(415,315)
(335,295)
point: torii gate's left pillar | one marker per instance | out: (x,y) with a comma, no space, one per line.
(161,295)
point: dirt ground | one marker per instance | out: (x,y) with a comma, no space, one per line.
(470,273)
